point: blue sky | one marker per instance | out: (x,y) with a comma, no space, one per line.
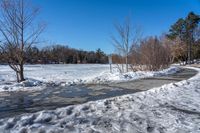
(88,24)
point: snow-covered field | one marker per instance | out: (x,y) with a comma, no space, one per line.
(40,75)
(172,108)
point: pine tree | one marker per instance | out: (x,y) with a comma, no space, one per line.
(185,29)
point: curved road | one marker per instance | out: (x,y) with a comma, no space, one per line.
(16,103)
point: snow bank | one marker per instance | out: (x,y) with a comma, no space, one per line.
(38,76)
(172,108)
(122,77)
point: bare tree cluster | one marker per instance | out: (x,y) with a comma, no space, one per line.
(178,50)
(154,54)
(137,53)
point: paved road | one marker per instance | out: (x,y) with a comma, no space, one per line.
(16,103)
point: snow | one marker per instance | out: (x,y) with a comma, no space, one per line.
(39,76)
(171,108)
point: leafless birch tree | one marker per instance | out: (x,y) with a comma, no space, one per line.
(126,38)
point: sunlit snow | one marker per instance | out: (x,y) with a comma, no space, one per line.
(38,76)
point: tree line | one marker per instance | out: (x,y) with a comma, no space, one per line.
(59,54)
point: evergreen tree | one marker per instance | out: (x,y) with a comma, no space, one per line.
(185,30)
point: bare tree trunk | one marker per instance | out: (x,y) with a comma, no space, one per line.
(21,73)
(126,63)
(17,75)
(119,68)
(189,54)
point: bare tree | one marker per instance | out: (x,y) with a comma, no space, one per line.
(127,37)
(19,32)
(178,50)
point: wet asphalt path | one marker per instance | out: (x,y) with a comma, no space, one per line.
(16,103)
